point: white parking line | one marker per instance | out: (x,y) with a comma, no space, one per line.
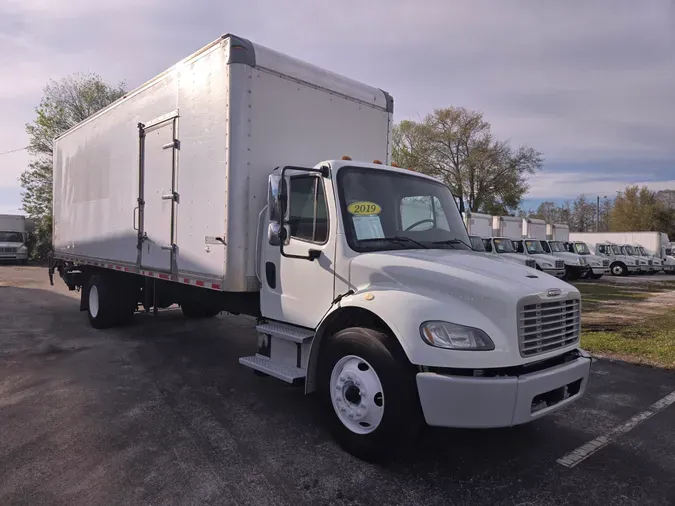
(588,449)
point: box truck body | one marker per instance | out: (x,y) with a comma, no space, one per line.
(13,238)
(507,226)
(557,232)
(478,224)
(211,129)
(605,244)
(222,185)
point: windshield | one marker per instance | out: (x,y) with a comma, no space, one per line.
(616,250)
(642,251)
(11,237)
(385,210)
(477,243)
(581,248)
(557,246)
(533,246)
(503,246)
(629,250)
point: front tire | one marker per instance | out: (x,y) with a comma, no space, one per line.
(618,269)
(369,392)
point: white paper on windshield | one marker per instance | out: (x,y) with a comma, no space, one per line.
(367,227)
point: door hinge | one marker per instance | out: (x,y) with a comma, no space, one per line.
(172,196)
(169,247)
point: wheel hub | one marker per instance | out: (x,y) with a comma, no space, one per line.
(356,392)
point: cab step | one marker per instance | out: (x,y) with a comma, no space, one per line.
(261,363)
(285,331)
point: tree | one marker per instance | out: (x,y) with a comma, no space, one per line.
(583,215)
(547,211)
(64,104)
(635,209)
(456,146)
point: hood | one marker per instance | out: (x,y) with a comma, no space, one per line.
(513,257)
(449,271)
(566,255)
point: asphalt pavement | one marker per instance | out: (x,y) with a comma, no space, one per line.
(161,412)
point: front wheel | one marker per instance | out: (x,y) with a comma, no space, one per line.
(618,269)
(369,391)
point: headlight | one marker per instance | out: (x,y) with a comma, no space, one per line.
(582,261)
(22,249)
(455,337)
(544,264)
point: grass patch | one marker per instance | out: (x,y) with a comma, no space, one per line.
(652,341)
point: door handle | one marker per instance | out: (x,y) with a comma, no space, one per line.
(135,225)
(171,196)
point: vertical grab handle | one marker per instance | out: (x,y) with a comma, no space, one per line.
(135,225)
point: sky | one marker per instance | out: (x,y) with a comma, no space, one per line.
(590,83)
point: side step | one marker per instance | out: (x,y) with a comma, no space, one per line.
(284,331)
(261,363)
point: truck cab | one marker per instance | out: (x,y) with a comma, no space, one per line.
(545,261)
(502,248)
(645,264)
(575,265)
(654,263)
(619,263)
(395,287)
(13,239)
(599,266)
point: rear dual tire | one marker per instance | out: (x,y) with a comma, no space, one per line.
(194,311)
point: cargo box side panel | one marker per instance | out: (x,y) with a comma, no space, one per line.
(200,181)
(96,177)
(293,123)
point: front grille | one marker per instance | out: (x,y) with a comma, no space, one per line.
(530,263)
(547,326)
(7,250)
(559,264)
(605,262)
(650,262)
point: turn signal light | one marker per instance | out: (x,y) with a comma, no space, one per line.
(345,157)
(394,164)
(377,162)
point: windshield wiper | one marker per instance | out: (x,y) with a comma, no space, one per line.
(453,241)
(395,239)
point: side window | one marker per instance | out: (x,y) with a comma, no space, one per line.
(488,245)
(601,250)
(308,213)
(425,210)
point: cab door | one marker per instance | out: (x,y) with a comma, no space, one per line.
(297,289)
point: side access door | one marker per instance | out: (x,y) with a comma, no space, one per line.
(157,194)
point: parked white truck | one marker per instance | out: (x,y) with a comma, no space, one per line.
(575,265)
(479,227)
(578,263)
(13,238)
(656,245)
(511,227)
(619,263)
(170,195)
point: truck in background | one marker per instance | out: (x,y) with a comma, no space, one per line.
(646,266)
(479,228)
(575,265)
(598,266)
(529,246)
(619,263)
(385,313)
(13,239)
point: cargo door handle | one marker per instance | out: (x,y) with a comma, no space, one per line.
(168,247)
(135,222)
(171,196)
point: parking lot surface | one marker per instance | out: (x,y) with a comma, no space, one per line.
(161,412)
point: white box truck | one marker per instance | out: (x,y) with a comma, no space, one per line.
(575,265)
(479,227)
(655,244)
(602,244)
(560,233)
(206,188)
(511,227)
(13,238)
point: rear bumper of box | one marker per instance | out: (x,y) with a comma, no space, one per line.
(475,402)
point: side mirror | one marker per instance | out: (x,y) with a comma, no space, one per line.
(277,235)
(273,200)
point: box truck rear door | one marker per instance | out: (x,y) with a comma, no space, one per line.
(159,195)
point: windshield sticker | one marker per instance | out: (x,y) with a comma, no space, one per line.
(364,208)
(367,227)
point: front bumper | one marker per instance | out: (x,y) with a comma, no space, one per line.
(475,402)
(13,257)
(577,271)
(600,270)
(633,268)
(558,273)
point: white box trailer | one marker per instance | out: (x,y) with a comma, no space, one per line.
(507,226)
(478,224)
(221,185)
(13,238)
(533,228)
(558,232)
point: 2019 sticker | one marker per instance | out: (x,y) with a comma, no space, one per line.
(364,208)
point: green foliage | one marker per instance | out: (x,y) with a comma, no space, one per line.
(64,104)
(456,146)
(635,209)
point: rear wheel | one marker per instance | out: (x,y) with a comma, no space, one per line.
(192,310)
(369,392)
(109,301)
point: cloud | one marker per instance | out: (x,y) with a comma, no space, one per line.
(585,82)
